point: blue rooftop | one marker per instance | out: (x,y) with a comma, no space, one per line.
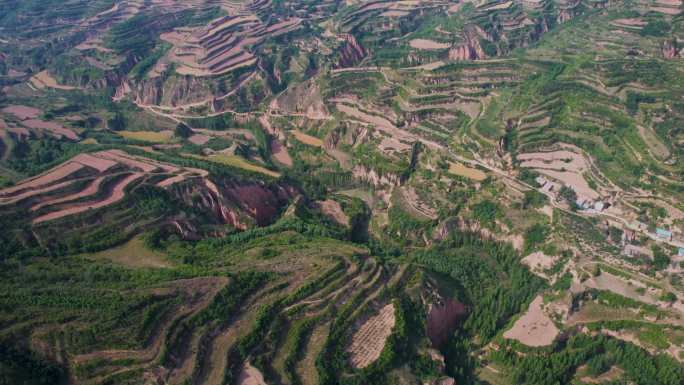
(663,233)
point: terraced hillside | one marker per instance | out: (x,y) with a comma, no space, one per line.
(341,193)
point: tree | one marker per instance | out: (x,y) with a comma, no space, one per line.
(668,297)
(533,199)
(534,236)
(615,234)
(183,131)
(569,195)
(660,258)
(117,123)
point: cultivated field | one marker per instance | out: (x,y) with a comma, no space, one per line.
(368,341)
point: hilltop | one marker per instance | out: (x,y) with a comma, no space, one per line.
(325,192)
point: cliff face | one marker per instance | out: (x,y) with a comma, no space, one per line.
(672,49)
(345,135)
(374,178)
(506,31)
(351,52)
(469,50)
(442,319)
(172,91)
(237,203)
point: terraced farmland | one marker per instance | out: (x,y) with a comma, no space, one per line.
(326,192)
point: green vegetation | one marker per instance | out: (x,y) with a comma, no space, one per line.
(535,236)
(226,253)
(559,365)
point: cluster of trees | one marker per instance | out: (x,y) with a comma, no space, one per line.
(635,98)
(219,313)
(20,366)
(489,276)
(661,260)
(332,361)
(268,320)
(404,228)
(216,123)
(569,195)
(35,156)
(535,236)
(487,212)
(599,353)
(656,27)
(299,334)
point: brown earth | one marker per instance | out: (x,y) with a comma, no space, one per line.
(369,340)
(534,328)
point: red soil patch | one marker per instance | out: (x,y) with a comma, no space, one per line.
(262,203)
(442,319)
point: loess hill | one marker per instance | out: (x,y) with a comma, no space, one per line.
(237,192)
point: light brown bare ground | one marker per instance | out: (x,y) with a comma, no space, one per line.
(54,128)
(22,112)
(280,153)
(394,14)
(56,174)
(538,262)
(470,173)
(380,123)
(333,210)
(44,79)
(557,160)
(618,285)
(369,340)
(199,139)
(122,157)
(426,44)
(173,180)
(534,328)
(133,253)
(613,374)
(250,376)
(92,189)
(666,10)
(116,195)
(635,22)
(307,139)
(100,164)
